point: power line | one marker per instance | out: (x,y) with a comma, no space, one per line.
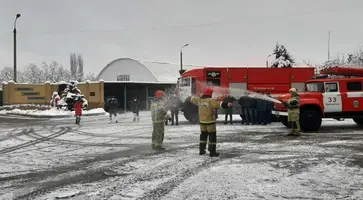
(200,25)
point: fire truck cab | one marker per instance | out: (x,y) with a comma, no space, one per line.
(336,93)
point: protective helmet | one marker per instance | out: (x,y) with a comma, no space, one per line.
(293,90)
(208,91)
(159,94)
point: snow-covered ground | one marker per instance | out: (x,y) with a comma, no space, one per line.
(56,159)
(53,112)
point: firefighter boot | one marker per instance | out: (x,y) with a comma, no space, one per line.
(212,146)
(296,129)
(203,142)
(292,129)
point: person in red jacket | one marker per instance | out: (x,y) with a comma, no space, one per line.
(78,109)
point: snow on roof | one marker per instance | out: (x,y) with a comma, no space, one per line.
(167,72)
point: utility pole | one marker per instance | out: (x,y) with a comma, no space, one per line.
(267,60)
(181,71)
(14,32)
(329,46)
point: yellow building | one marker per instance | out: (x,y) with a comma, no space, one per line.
(20,93)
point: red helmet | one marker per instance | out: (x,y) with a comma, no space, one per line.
(208,91)
(159,94)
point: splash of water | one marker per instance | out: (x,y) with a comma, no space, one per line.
(237,93)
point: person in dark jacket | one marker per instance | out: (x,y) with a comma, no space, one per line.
(253,110)
(241,103)
(260,108)
(135,108)
(269,108)
(247,109)
(228,111)
(174,106)
(112,106)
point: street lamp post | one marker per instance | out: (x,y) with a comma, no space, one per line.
(181,71)
(14,32)
(267,60)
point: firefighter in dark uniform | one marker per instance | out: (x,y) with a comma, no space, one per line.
(229,111)
(158,115)
(293,105)
(206,106)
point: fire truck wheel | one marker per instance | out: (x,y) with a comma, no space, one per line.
(191,112)
(310,119)
(358,120)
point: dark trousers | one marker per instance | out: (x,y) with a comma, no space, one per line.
(228,113)
(212,144)
(175,117)
(250,115)
(268,116)
(262,117)
(243,116)
(78,119)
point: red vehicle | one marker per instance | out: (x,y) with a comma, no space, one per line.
(276,81)
(337,93)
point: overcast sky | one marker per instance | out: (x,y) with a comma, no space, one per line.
(220,32)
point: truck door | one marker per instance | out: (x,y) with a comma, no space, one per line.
(332,98)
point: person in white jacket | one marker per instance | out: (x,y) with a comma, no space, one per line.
(55,99)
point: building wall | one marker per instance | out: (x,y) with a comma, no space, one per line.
(126,66)
(15,93)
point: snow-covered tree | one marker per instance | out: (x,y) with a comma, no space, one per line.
(282,57)
(54,72)
(80,72)
(7,74)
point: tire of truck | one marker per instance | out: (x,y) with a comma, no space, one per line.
(190,111)
(310,120)
(358,120)
(283,120)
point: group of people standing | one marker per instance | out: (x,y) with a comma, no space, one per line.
(254,111)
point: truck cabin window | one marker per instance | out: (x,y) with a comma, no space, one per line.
(331,87)
(314,87)
(214,82)
(185,82)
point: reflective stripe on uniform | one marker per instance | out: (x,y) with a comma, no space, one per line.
(207,122)
(158,122)
(212,143)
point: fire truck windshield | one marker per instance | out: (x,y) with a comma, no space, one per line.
(314,87)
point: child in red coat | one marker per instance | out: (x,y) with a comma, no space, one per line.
(78,110)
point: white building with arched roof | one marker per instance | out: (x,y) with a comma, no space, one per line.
(127,69)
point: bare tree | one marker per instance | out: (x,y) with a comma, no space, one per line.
(80,72)
(90,77)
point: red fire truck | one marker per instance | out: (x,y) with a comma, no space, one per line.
(276,81)
(336,93)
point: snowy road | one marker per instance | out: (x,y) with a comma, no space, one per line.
(54,159)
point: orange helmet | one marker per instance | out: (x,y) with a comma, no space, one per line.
(208,91)
(159,94)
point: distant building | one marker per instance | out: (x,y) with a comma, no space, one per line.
(127,69)
(126,78)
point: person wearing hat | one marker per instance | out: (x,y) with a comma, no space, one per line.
(293,105)
(206,106)
(158,116)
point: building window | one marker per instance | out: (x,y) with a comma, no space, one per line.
(354,86)
(123,78)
